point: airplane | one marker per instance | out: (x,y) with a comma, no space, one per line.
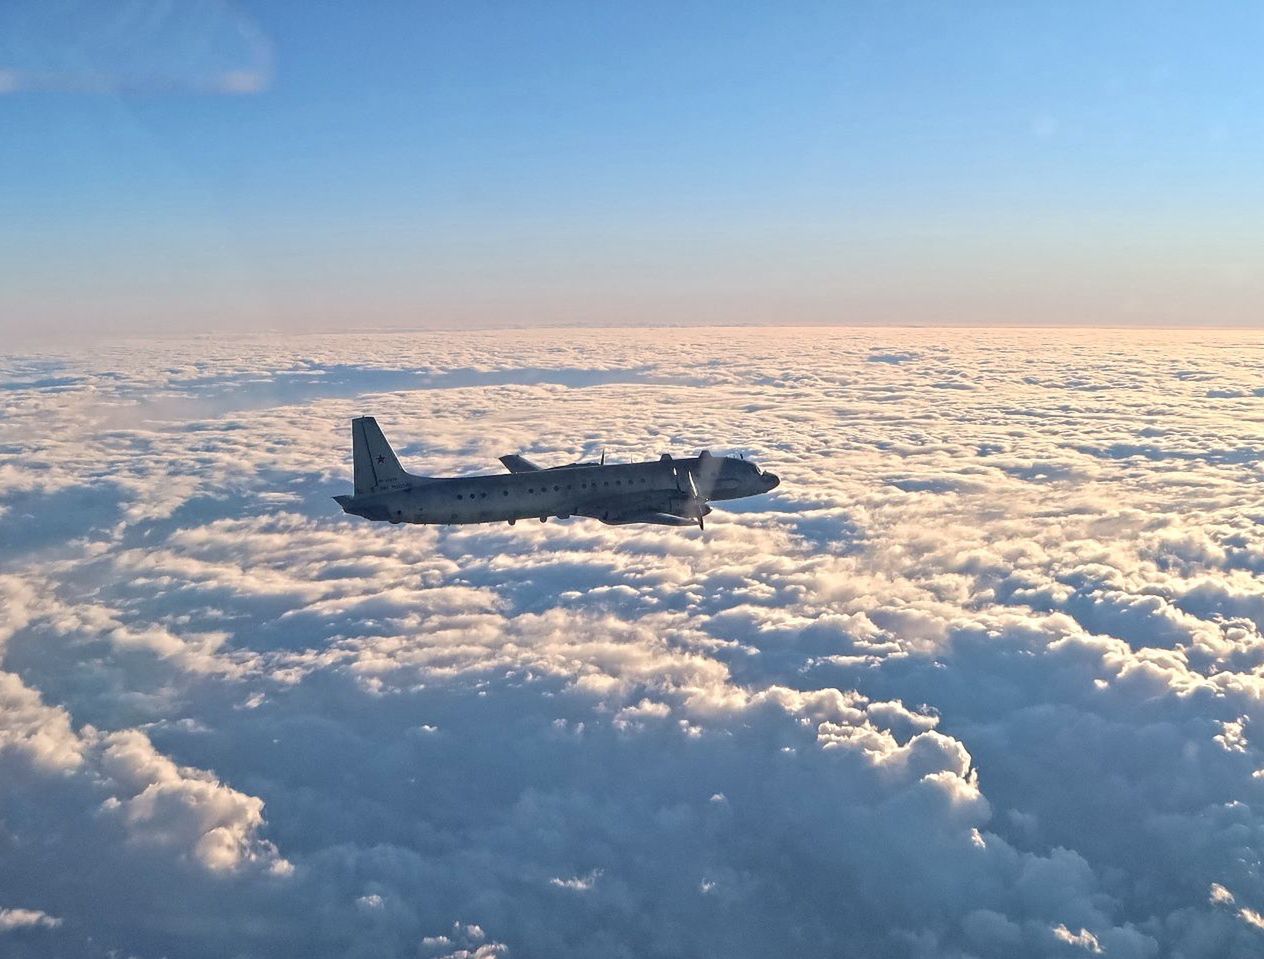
(666,491)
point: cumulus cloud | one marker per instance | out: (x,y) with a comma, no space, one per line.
(184,808)
(1251,917)
(981,678)
(577,883)
(31,727)
(26,918)
(1083,939)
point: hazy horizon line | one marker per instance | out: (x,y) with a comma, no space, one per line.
(42,339)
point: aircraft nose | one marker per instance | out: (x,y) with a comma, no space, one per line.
(772,479)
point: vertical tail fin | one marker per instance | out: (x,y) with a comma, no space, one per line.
(376,468)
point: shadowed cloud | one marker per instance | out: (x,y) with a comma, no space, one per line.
(961,686)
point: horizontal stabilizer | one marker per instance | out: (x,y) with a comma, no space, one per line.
(518,464)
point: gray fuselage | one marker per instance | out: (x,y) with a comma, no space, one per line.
(609,493)
(665,491)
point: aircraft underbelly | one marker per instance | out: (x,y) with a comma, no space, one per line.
(442,508)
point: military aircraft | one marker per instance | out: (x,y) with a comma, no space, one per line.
(666,491)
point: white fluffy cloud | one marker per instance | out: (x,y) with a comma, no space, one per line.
(26,919)
(981,678)
(183,808)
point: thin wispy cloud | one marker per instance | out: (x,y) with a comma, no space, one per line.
(146,47)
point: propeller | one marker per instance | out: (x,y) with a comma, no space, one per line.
(603,456)
(695,504)
(708,470)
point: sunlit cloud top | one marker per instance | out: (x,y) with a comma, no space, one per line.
(984,676)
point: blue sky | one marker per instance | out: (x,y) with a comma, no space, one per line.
(292,166)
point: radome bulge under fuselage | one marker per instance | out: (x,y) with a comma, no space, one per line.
(665,491)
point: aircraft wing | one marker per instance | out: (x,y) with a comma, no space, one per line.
(635,508)
(518,464)
(646,516)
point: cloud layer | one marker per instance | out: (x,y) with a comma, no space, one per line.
(981,678)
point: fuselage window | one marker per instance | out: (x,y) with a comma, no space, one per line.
(531,489)
(556,488)
(458,495)
(504,492)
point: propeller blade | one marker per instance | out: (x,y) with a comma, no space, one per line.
(684,482)
(603,457)
(701,525)
(703,476)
